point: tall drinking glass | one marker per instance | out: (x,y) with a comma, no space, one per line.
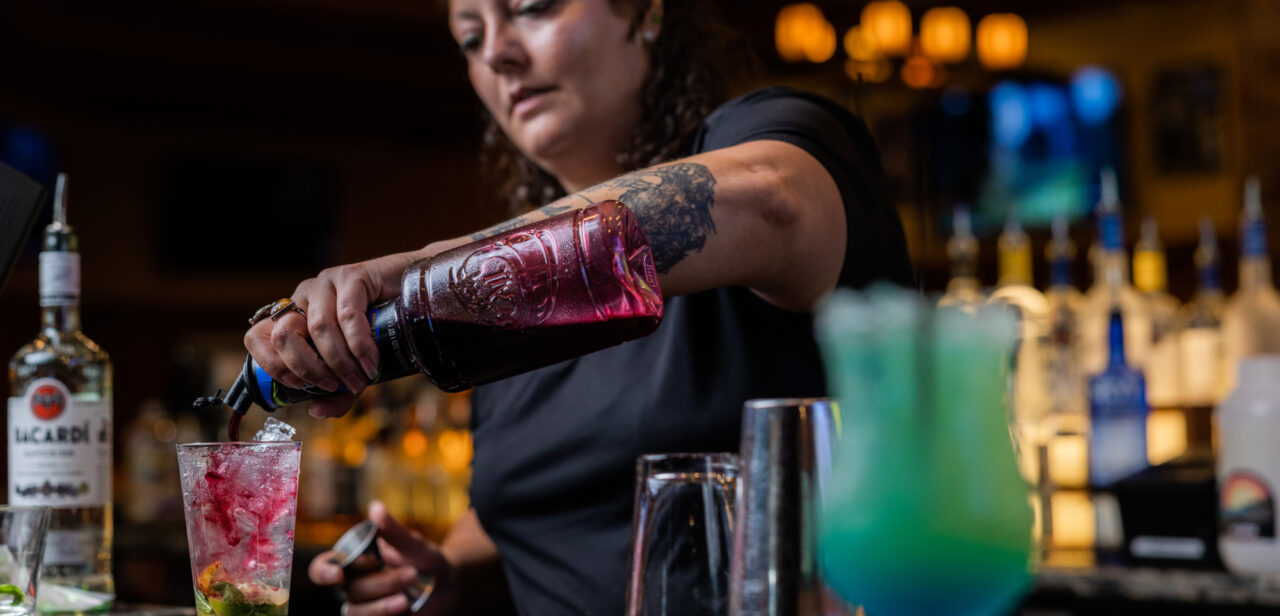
(240,501)
(22,532)
(682,534)
(926,512)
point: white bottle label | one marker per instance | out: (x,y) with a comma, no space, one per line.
(59,278)
(1246,507)
(69,547)
(59,448)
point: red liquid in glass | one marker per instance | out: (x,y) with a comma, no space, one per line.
(241,513)
(233,427)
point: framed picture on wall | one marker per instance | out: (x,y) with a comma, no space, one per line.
(1186,119)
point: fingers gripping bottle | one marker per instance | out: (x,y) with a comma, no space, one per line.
(527,298)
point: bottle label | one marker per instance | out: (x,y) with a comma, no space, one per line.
(59,448)
(59,278)
(1246,507)
(69,547)
(1253,238)
(1117,449)
(1149,271)
(1111,231)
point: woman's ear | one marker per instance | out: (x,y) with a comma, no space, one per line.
(652,24)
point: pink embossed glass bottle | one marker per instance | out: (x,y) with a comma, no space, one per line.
(520,300)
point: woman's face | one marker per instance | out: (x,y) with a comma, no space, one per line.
(561,77)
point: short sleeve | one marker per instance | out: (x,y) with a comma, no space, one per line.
(839,140)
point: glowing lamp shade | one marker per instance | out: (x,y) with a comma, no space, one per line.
(1002,41)
(944,34)
(859,47)
(887,24)
(801,32)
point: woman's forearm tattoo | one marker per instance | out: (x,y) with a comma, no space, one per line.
(673,203)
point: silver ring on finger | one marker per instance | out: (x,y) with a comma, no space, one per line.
(343,610)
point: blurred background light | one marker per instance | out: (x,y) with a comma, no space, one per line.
(1010,114)
(944,34)
(1095,94)
(920,72)
(1048,105)
(801,32)
(1002,41)
(887,24)
(859,47)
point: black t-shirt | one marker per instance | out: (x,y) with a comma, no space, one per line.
(555,449)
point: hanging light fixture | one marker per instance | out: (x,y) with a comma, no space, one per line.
(858,46)
(944,34)
(791,27)
(801,32)
(1002,41)
(820,45)
(887,24)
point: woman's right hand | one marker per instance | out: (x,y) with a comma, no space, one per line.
(375,591)
(336,305)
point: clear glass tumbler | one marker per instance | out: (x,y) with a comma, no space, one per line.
(682,534)
(22,533)
(240,501)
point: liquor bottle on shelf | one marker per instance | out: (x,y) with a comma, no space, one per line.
(1115,334)
(963,289)
(60,431)
(1204,363)
(1066,383)
(1111,288)
(1118,434)
(1163,365)
(1014,289)
(1167,425)
(1067,522)
(1251,321)
(1203,360)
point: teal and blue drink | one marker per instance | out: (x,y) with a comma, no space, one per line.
(927,512)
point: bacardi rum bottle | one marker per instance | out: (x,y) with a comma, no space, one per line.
(60,430)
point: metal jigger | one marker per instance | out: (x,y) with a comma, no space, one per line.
(360,540)
(785,462)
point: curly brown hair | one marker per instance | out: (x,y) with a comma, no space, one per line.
(695,63)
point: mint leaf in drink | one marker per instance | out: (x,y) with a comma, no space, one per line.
(202,604)
(228,592)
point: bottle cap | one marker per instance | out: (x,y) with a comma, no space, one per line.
(962,225)
(1252,197)
(1110,201)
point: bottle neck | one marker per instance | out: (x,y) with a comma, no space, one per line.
(1015,265)
(64,318)
(963,254)
(1112,270)
(1149,273)
(1115,339)
(1255,273)
(962,284)
(1208,277)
